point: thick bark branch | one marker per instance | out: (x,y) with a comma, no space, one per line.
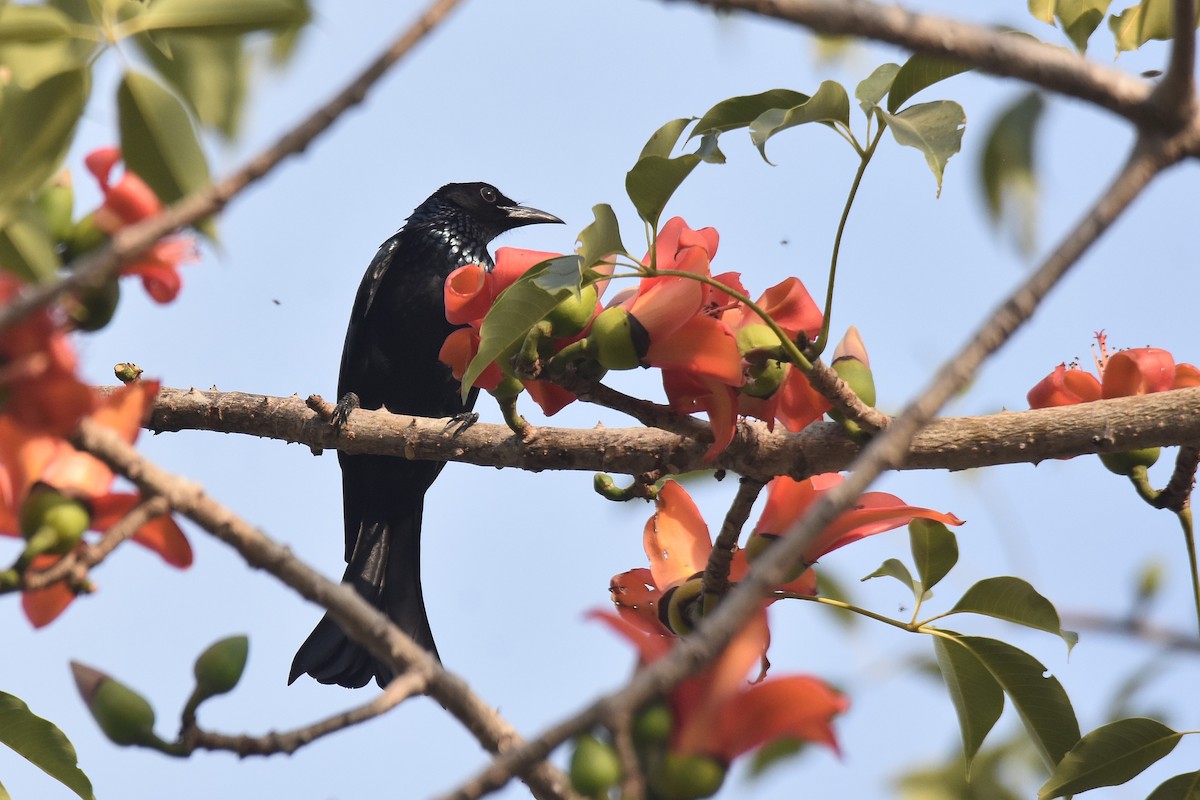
(954,443)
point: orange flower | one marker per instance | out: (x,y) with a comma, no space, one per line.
(38,386)
(126,202)
(677,545)
(719,713)
(1127,373)
(28,459)
(875,512)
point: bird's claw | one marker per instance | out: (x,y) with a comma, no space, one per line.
(341,412)
(460,422)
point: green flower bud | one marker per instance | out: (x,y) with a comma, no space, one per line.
(56,517)
(1127,462)
(127,372)
(759,543)
(595,766)
(858,376)
(508,388)
(757,338)
(219,668)
(681,607)
(614,339)
(91,309)
(652,725)
(688,777)
(124,715)
(573,314)
(84,237)
(765,379)
(56,202)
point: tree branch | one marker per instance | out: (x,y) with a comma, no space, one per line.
(358,618)
(91,270)
(993,51)
(954,443)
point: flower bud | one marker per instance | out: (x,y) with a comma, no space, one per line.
(1125,463)
(617,339)
(56,203)
(681,607)
(688,777)
(92,308)
(85,236)
(652,725)
(757,339)
(595,766)
(764,379)
(124,715)
(219,668)
(571,316)
(759,543)
(53,515)
(127,372)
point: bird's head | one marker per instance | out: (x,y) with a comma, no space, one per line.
(483,208)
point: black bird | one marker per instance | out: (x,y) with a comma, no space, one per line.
(390,360)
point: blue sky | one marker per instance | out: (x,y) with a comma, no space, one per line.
(552,102)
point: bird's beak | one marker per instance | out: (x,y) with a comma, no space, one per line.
(524,215)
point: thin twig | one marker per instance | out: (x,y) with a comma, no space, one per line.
(362,622)
(400,689)
(1135,627)
(92,269)
(716,572)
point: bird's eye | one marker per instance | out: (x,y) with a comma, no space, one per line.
(488,194)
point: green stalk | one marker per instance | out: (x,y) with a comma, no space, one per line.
(1189,538)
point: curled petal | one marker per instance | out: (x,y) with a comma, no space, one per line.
(550,396)
(164,536)
(467,294)
(797,706)
(637,598)
(675,538)
(1064,387)
(703,347)
(159,267)
(1143,370)
(125,410)
(1186,376)
(799,403)
(43,606)
(675,236)
(650,647)
(690,393)
(100,163)
(788,499)
(876,512)
(792,307)
(512,263)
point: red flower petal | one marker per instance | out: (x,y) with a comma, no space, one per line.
(43,606)
(1143,370)
(1064,387)
(163,536)
(797,706)
(675,538)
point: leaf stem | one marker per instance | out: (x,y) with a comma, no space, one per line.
(1189,538)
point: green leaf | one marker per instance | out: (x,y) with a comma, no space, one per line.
(829,105)
(662,142)
(600,239)
(1043,10)
(1110,755)
(653,180)
(934,549)
(158,140)
(521,306)
(775,753)
(1079,18)
(894,568)
(739,112)
(921,72)
(208,72)
(1180,787)
(4,795)
(1138,24)
(1007,173)
(1040,700)
(217,17)
(936,129)
(42,744)
(873,88)
(26,248)
(22,23)
(36,128)
(977,696)
(1013,600)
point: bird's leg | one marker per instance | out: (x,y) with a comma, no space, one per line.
(341,412)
